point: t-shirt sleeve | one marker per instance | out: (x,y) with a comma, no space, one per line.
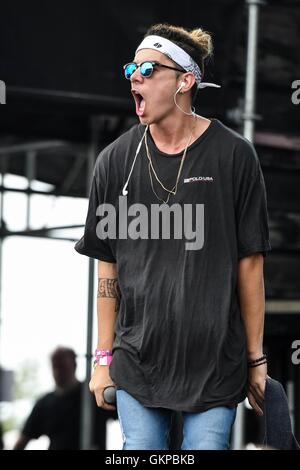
(250,203)
(90,244)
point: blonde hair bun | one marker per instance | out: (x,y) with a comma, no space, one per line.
(203,38)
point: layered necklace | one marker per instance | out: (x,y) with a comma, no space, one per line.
(151,169)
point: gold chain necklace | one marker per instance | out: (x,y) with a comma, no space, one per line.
(153,190)
(150,167)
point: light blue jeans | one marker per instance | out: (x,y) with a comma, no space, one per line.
(145,428)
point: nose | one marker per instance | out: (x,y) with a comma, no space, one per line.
(136,76)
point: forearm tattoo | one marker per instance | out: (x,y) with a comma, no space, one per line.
(109,288)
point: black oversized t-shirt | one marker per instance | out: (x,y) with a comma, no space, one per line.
(180,341)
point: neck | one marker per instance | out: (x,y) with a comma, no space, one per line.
(67,387)
(172,132)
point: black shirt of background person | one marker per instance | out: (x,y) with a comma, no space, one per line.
(58,417)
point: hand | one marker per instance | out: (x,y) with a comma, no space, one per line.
(257,377)
(99,381)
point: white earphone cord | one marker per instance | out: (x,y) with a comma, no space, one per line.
(125,190)
(192,113)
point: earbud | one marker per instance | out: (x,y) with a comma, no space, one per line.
(181,85)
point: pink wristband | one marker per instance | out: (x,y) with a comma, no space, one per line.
(103,357)
(103,361)
(103,352)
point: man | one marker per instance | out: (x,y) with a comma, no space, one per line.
(57,414)
(177,219)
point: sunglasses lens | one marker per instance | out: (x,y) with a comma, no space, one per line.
(146,69)
(129,70)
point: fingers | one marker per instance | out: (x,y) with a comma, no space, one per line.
(102,404)
(97,389)
(257,392)
(256,388)
(257,405)
(100,400)
(107,407)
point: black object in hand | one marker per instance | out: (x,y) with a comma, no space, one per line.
(109,395)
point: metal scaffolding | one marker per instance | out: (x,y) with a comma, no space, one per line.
(249,118)
(31,152)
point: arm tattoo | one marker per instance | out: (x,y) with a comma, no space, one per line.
(109,288)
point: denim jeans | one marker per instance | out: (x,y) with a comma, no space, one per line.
(145,428)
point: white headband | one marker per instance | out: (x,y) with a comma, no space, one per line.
(177,54)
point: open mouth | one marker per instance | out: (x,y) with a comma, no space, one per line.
(140,103)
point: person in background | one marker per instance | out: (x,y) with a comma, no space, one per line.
(57,414)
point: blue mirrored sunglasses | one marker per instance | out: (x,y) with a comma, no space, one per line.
(146,68)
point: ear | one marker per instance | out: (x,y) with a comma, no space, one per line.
(189,80)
